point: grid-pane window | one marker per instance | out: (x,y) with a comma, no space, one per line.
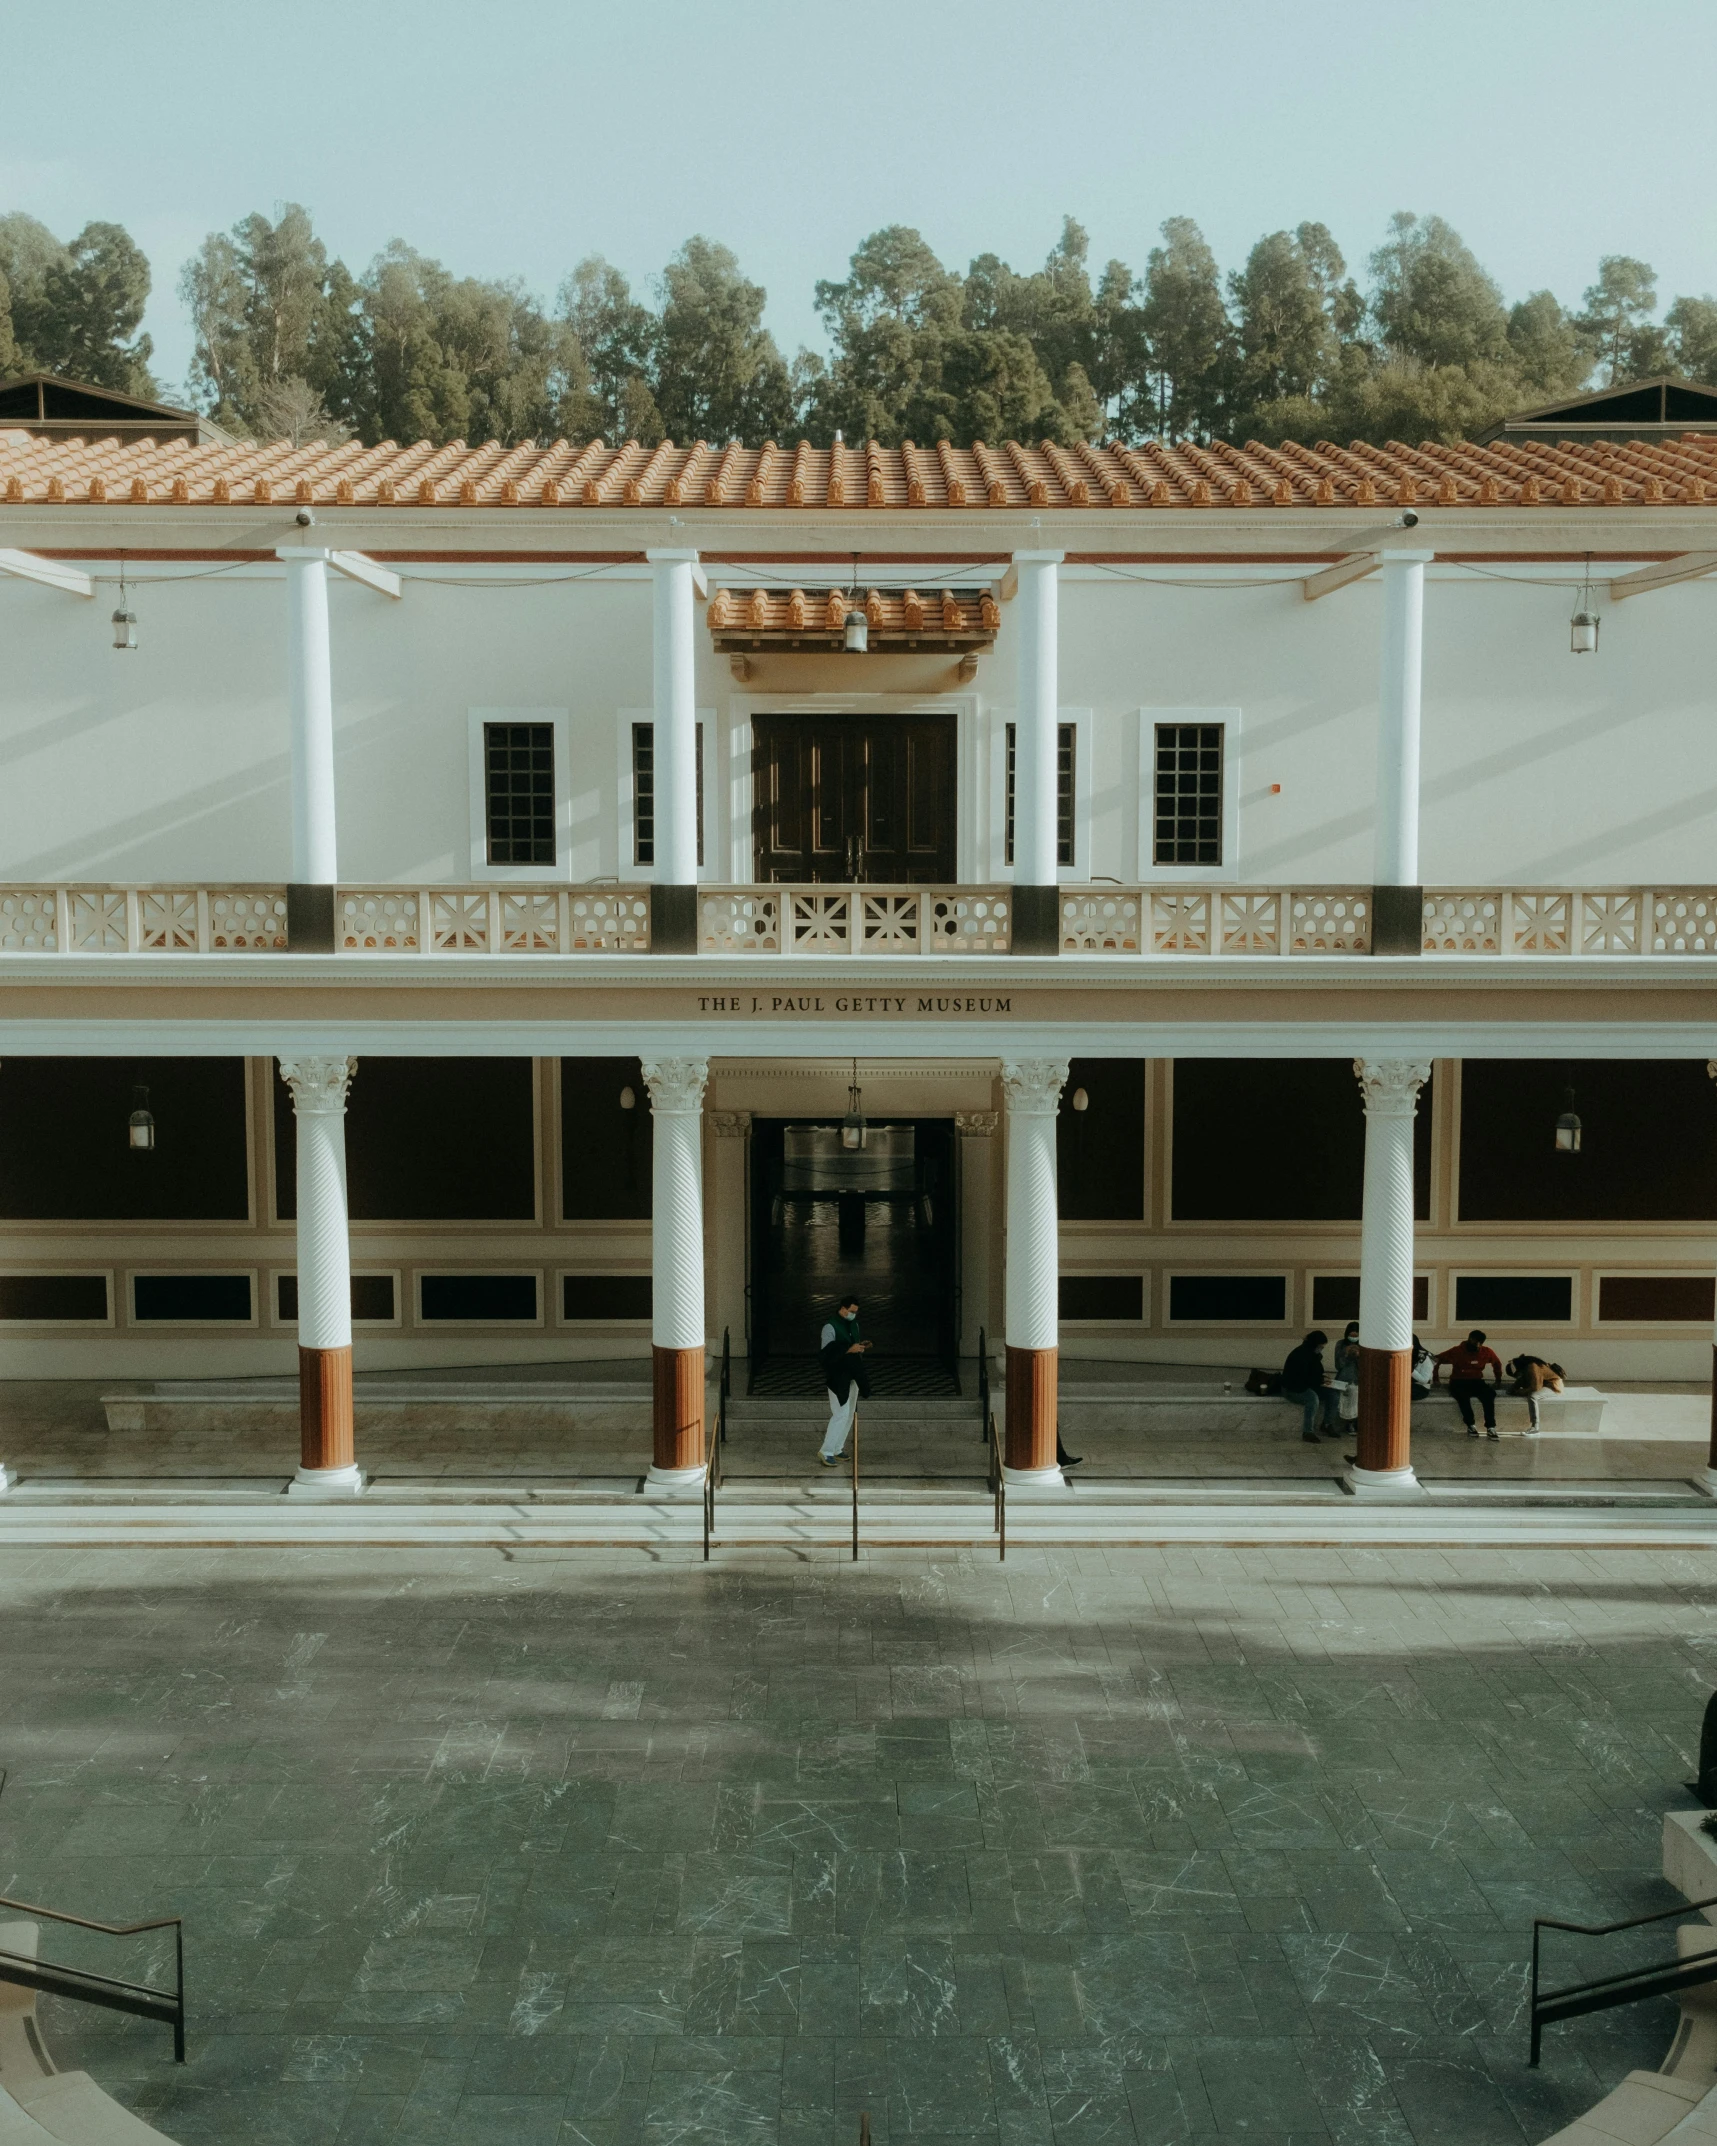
(1188,794)
(518,772)
(1064,750)
(644,793)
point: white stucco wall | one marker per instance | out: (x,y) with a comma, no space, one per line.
(171,762)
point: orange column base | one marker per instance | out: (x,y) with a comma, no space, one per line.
(1385,1420)
(327,1462)
(676,1409)
(1033,1379)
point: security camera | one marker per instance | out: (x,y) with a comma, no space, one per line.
(306,520)
(1409,520)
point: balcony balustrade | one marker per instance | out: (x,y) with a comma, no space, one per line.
(788,923)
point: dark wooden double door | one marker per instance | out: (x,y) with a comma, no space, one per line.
(854,798)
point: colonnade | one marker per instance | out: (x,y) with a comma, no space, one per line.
(1032,1088)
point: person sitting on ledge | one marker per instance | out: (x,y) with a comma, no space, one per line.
(1303,1384)
(1532,1375)
(1468,1362)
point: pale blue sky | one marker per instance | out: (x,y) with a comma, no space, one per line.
(513,137)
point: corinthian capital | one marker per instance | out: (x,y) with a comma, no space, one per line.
(1033,1085)
(1391,1086)
(318,1085)
(676,1085)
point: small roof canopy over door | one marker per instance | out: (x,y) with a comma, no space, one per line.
(1631,410)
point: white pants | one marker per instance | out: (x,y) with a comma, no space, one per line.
(840,1421)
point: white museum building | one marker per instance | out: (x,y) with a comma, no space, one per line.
(483,906)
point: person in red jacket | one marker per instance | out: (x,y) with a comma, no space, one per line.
(1468,1362)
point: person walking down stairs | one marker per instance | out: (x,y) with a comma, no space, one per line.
(842,1349)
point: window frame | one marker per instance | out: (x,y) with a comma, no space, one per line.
(710,843)
(1083,726)
(483,873)
(1150,873)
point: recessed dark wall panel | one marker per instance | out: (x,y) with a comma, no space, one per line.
(205,1299)
(1251,1299)
(605,1296)
(1100,1151)
(372,1296)
(1648,1149)
(1336,1296)
(1102,1296)
(26,1297)
(1278,1140)
(1517,1298)
(63,1144)
(604,1148)
(1671,1299)
(428,1140)
(496,1299)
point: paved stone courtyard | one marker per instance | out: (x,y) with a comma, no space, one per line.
(1091,1847)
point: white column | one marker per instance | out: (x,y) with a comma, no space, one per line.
(1033,1090)
(675,576)
(676,1088)
(1037,717)
(1397,853)
(327,1464)
(310,691)
(1390,1088)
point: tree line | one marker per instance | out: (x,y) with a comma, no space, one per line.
(289,343)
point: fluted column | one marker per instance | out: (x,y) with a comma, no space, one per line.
(327,1465)
(1036,889)
(310,697)
(676,1088)
(1390,1087)
(673,877)
(1397,899)
(1033,1091)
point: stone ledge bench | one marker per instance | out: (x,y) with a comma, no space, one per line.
(40,2106)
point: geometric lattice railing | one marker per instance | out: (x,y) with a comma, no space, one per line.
(817,922)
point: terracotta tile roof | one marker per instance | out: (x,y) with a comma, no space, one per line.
(816,617)
(1506,473)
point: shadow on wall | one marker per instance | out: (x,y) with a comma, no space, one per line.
(124,848)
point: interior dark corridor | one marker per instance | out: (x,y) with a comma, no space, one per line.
(878,1222)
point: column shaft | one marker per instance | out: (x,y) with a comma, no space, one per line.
(673,900)
(310,701)
(1033,1090)
(1397,901)
(1036,898)
(676,1088)
(327,1458)
(1391,1091)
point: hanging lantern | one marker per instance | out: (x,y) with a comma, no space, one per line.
(1583,626)
(853,1127)
(140,1126)
(1568,1126)
(628,1099)
(1080,1100)
(857,631)
(124,619)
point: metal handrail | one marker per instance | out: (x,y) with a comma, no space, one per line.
(983,1384)
(1629,1985)
(83,1984)
(712,1459)
(855,1477)
(998,1489)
